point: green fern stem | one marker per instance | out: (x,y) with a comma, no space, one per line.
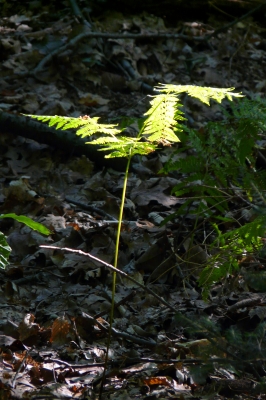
(118,236)
(120,219)
(115,266)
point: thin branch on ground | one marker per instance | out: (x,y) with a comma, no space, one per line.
(157,35)
(109,266)
(19,368)
(77,12)
(124,335)
(227,26)
(91,208)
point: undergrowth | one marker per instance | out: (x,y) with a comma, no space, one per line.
(218,171)
(218,154)
(233,349)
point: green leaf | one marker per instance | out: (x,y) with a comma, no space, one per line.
(87,126)
(5,251)
(124,146)
(161,121)
(29,222)
(245,148)
(204,94)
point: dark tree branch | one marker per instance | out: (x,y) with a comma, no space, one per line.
(64,140)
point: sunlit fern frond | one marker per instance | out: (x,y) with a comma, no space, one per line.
(85,125)
(124,146)
(161,122)
(161,126)
(204,94)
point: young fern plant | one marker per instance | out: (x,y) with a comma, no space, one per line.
(161,126)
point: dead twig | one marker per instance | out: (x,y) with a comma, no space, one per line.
(117,305)
(237,50)
(91,208)
(56,360)
(77,12)
(106,35)
(245,303)
(123,335)
(109,266)
(227,26)
(20,368)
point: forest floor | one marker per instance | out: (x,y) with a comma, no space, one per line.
(55,304)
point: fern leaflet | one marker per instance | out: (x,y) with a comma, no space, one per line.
(162,116)
(204,94)
(87,126)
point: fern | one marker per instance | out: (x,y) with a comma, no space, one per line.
(231,245)
(161,121)
(204,94)
(247,235)
(221,166)
(86,125)
(241,347)
(163,124)
(160,126)
(124,146)
(220,154)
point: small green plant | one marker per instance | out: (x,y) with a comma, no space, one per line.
(162,125)
(220,168)
(245,351)
(5,249)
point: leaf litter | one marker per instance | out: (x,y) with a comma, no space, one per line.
(55,305)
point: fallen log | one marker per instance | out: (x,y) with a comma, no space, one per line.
(66,141)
